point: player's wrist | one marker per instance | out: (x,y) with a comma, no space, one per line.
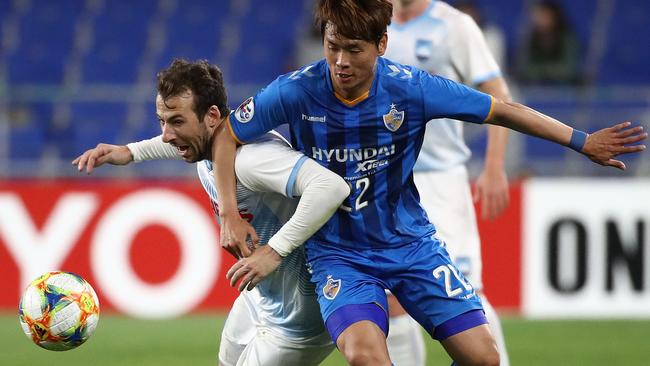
(273,253)
(280,247)
(578,140)
(132,148)
(494,164)
(129,153)
(226,213)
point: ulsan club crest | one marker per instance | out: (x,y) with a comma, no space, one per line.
(331,288)
(245,111)
(393,119)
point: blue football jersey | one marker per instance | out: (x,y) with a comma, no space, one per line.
(373,144)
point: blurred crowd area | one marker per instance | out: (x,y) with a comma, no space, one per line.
(74,73)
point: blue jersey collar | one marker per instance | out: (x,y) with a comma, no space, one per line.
(373,88)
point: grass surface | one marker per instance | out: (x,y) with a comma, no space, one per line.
(194,340)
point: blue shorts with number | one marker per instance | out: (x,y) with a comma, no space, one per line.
(420,274)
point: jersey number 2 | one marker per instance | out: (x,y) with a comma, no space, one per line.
(361,184)
(446,271)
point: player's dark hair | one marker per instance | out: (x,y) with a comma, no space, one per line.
(366,20)
(203,79)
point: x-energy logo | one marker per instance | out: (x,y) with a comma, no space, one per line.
(364,166)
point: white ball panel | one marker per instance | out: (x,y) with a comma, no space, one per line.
(65,281)
(65,319)
(32,303)
(91,324)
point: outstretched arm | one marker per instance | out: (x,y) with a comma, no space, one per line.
(601,146)
(101,154)
(234,230)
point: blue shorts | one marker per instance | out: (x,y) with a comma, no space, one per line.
(420,274)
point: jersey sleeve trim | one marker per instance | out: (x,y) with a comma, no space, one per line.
(486,77)
(294,174)
(489,115)
(232,132)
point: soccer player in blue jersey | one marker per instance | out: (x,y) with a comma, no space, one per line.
(363,117)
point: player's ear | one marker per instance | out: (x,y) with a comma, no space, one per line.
(213,116)
(383,42)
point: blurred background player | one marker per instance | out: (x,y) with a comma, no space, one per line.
(347,111)
(550,52)
(492,32)
(438,38)
(277,322)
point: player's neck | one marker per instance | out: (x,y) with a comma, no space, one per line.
(354,96)
(225,122)
(402,14)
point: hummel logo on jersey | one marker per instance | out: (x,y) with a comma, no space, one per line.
(299,73)
(396,71)
(394,118)
(314,118)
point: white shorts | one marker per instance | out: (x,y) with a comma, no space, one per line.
(244,342)
(447,198)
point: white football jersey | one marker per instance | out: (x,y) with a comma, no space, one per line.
(446,42)
(266,173)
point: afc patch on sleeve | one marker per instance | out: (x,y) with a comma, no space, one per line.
(244,113)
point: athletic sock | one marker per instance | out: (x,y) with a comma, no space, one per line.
(497,332)
(405,342)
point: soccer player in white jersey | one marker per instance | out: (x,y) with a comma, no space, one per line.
(277,322)
(436,37)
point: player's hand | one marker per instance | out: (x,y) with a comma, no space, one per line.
(254,269)
(234,234)
(492,192)
(102,154)
(604,145)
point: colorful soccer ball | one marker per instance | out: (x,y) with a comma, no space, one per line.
(59,311)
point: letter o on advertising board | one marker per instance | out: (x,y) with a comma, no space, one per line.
(114,236)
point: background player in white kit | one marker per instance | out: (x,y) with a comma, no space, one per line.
(278,321)
(436,37)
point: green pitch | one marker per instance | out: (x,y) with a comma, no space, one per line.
(194,340)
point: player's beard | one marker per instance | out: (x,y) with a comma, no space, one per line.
(202,148)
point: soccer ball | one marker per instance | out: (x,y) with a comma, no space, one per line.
(59,311)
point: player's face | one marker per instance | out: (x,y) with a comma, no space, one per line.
(543,19)
(351,62)
(182,129)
